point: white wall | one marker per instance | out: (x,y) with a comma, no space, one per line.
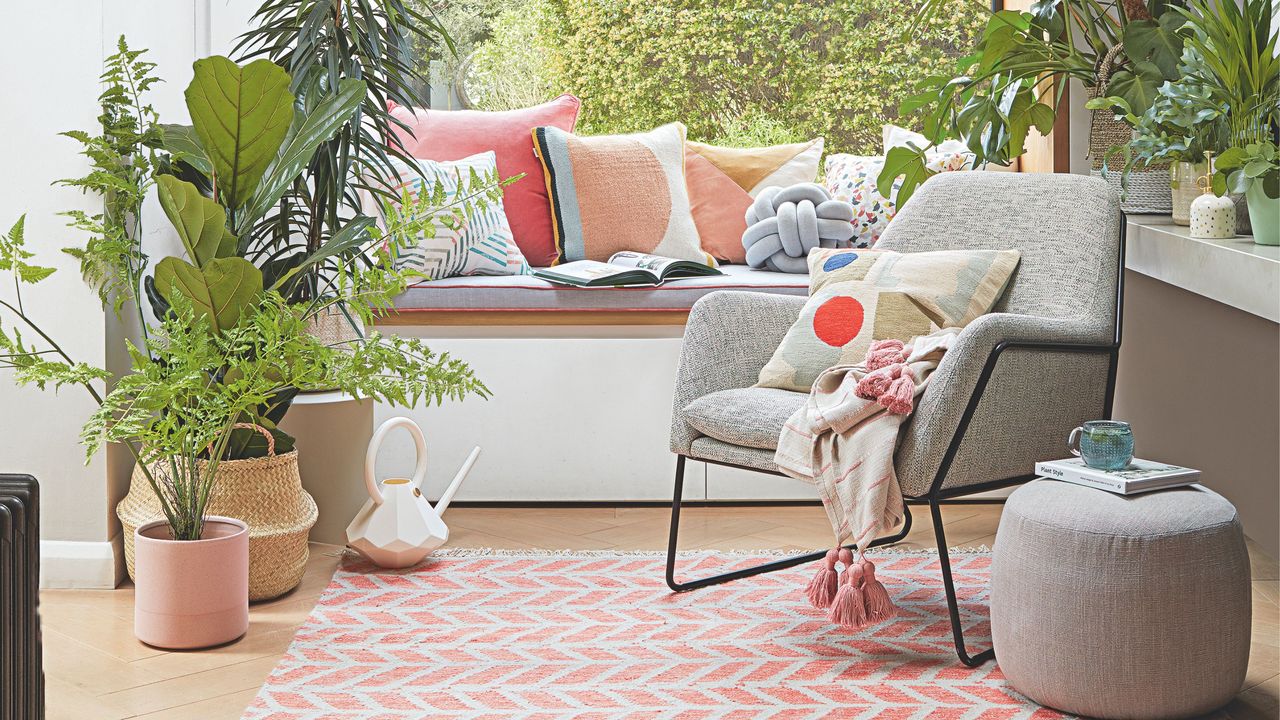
(54,52)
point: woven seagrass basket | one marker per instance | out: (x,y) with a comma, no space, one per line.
(1149,189)
(332,327)
(266,493)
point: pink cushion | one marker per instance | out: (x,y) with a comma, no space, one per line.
(445,135)
(719,208)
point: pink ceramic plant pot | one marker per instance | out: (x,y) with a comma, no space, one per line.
(191,594)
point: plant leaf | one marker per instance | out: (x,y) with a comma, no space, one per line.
(315,127)
(1139,86)
(350,237)
(12,256)
(241,115)
(221,291)
(184,146)
(1156,42)
(908,163)
(201,223)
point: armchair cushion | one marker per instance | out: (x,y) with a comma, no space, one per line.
(749,417)
(859,296)
(729,337)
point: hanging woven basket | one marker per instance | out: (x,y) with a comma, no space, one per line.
(266,493)
(1149,189)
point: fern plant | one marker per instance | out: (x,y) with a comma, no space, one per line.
(122,160)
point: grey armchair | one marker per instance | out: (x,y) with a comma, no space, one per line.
(1017,381)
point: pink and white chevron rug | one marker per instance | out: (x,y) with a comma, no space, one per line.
(480,634)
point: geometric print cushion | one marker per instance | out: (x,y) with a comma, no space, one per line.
(471,233)
(852,178)
(859,296)
(754,169)
(611,193)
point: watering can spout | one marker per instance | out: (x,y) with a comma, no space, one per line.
(447,497)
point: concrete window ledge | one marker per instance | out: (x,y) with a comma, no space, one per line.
(1234,272)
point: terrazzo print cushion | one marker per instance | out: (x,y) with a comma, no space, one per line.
(472,238)
(852,178)
(859,296)
(619,192)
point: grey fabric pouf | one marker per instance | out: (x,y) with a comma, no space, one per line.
(1121,607)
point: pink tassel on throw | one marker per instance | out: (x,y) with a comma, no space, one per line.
(876,601)
(848,608)
(823,587)
(899,397)
(876,383)
(884,353)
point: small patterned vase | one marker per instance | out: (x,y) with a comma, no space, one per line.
(1213,217)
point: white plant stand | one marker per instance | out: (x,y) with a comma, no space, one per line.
(332,430)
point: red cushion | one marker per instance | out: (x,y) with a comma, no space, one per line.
(446,135)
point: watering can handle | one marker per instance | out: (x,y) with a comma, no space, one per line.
(371,457)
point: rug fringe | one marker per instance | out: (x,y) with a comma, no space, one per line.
(539,552)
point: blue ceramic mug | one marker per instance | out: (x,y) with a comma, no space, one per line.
(1103,444)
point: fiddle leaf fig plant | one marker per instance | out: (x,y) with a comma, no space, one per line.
(201,223)
(241,116)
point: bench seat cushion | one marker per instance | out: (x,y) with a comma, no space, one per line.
(517,292)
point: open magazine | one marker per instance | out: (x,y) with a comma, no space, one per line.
(625,268)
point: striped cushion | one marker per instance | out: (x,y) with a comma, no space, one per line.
(619,192)
(470,238)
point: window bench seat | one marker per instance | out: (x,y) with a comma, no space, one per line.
(582,384)
(527,300)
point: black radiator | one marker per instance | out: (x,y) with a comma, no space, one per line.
(21,671)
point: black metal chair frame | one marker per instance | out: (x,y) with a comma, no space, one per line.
(937,494)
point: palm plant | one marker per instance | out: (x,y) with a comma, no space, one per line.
(324,46)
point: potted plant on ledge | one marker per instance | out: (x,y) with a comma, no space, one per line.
(1225,99)
(1254,170)
(1016,79)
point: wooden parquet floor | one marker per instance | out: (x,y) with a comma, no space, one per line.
(96,669)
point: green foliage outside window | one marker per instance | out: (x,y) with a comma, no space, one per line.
(737,71)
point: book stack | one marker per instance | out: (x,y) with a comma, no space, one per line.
(1140,476)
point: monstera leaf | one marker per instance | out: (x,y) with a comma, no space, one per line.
(241,115)
(1156,42)
(310,130)
(1138,86)
(221,291)
(201,223)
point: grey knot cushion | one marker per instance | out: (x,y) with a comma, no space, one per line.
(1121,607)
(784,224)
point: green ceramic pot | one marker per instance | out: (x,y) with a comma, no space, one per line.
(1264,215)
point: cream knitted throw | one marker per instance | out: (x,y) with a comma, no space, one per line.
(843,440)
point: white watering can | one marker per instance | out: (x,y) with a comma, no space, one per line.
(398,527)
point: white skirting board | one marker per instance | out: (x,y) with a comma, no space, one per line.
(81,564)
